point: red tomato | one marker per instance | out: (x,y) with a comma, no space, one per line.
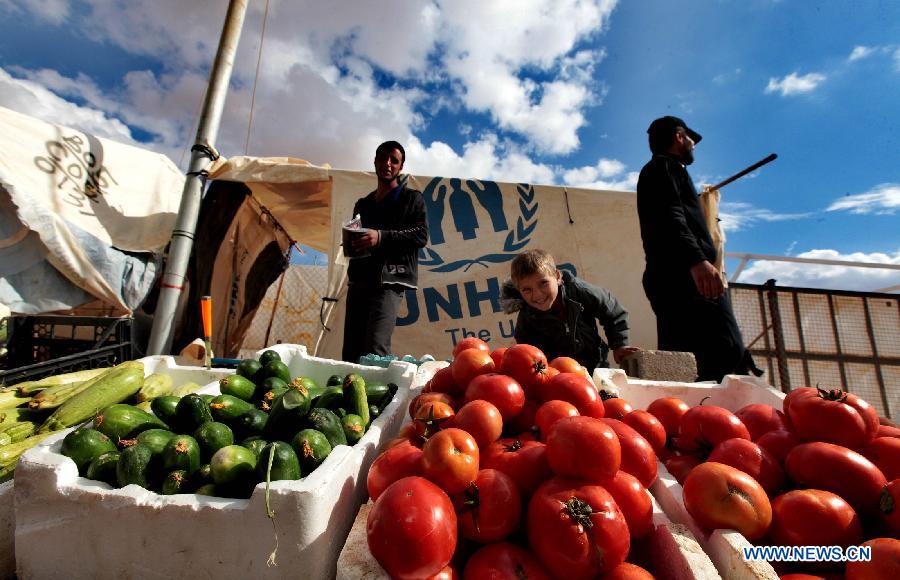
(524,421)
(720,496)
(497,356)
(430,417)
(638,457)
(669,411)
(567,364)
(627,571)
(705,426)
(525,363)
(501,390)
(576,529)
(408,510)
(403,460)
(761,419)
(681,465)
(838,469)
(447,573)
(884,452)
(504,560)
(649,427)
(551,412)
(450,459)
(752,460)
(831,416)
(779,444)
(419,400)
(885,562)
(584,448)
(470,342)
(812,517)
(469,364)
(523,461)
(889,505)
(634,500)
(442,382)
(887,431)
(616,408)
(575,389)
(481,420)
(490,509)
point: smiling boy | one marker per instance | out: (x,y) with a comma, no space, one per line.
(558,312)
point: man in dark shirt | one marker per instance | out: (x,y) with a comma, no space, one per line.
(693,311)
(393,230)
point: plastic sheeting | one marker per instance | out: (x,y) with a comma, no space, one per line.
(82,219)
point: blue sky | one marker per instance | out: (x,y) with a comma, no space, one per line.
(545,91)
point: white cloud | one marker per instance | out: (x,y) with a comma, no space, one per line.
(487,158)
(605,174)
(727,77)
(883,199)
(738,216)
(793,84)
(826,276)
(897,59)
(52,11)
(860,52)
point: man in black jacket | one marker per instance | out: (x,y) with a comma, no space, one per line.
(693,311)
(394,228)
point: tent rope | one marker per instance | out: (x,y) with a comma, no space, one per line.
(262,37)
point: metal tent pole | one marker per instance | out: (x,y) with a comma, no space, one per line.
(201,155)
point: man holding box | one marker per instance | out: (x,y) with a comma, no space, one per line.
(383,256)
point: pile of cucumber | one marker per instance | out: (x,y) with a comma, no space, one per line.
(265,426)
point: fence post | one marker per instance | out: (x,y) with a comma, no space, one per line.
(778,332)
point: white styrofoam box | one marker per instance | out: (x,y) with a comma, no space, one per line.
(675,553)
(206,378)
(100,532)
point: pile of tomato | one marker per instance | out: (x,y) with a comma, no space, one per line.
(821,471)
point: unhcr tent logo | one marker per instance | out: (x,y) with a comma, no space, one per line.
(460,197)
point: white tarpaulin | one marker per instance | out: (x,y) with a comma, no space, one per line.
(476,228)
(82,218)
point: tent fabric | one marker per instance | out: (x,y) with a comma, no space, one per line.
(97,212)
(476,228)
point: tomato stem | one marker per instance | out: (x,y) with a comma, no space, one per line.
(514,446)
(472,502)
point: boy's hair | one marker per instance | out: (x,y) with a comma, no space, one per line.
(532,262)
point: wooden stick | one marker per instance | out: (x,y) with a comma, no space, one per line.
(744,172)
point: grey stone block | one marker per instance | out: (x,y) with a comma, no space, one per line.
(661,365)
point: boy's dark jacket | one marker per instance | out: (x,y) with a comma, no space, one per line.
(577,336)
(404,230)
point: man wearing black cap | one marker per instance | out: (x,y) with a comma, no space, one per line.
(693,312)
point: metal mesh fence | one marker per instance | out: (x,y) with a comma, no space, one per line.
(834,339)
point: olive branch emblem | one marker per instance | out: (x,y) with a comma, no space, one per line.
(518,238)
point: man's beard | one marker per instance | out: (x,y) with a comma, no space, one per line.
(687,156)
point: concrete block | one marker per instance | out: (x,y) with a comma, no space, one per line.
(68,526)
(661,365)
(7,531)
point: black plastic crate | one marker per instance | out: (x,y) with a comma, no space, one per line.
(40,346)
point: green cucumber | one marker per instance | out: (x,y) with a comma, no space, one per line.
(269,356)
(311,447)
(121,421)
(237,386)
(182,452)
(103,468)
(177,481)
(334,381)
(155,439)
(354,428)
(376,392)
(232,464)
(254,444)
(287,414)
(328,423)
(355,400)
(276,368)
(202,476)
(192,411)
(374,412)
(84,445)
(307,382)
(212,437)
(137,464)
(253,422)
(284,462)
(250,369)
(207,489)
(331,398)
(227,408)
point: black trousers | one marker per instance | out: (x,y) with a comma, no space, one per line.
(687,322)
(370,319)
